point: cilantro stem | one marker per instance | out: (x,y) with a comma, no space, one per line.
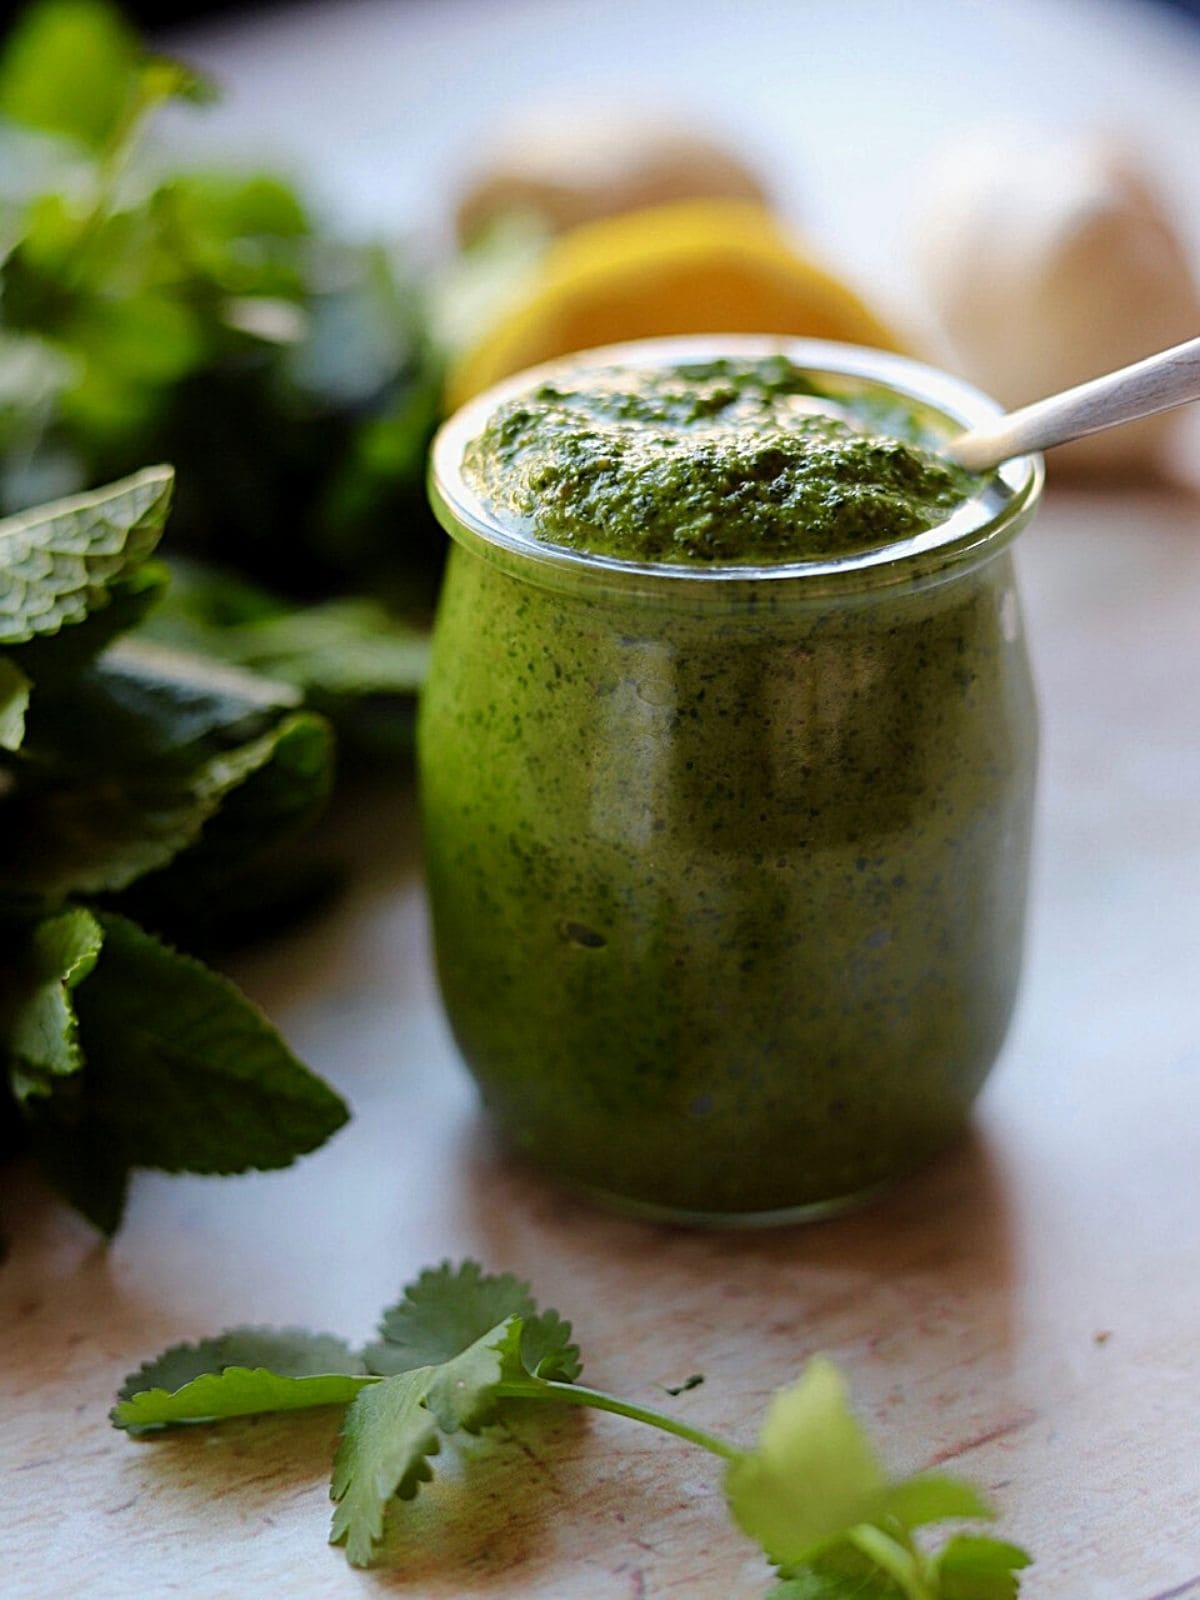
(578,1394)
(900,1560)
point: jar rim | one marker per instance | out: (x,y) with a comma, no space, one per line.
(975,530)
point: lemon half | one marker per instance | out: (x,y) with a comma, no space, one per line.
(707,266)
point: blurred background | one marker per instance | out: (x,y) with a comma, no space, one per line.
(843,110)
(1010,186)
(279,263)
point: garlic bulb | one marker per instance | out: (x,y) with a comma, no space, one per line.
(567,165)
(1049,260)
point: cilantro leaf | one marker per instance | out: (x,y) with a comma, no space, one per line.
(546,1348)
(183,1073)
(14,703)
(443,1313)
(235,1391)
(58,562)
(462,1391)
(815,1497)
(386,1440)
(932,1497)
(38,1011)
(242,1372)
(826,1581)
(813,1473)
(449,1308)
(812,1491)
(969,1567)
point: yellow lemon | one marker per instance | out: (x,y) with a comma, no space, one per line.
(706,266)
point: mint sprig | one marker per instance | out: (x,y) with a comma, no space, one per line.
(134,777)
(462,1347)
(202,317)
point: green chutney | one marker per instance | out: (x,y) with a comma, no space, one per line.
(722,461)
(727,760)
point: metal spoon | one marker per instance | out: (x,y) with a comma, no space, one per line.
(1170,378)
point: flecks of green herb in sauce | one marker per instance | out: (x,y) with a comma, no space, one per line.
(726,461)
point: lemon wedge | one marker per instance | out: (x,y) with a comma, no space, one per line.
(707,266)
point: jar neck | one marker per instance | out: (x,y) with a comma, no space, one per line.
(902,568)
(981,527)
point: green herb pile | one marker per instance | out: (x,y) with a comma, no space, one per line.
(136,781)
(462,1350)
(204,318)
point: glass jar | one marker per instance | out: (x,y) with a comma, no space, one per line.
(728,865)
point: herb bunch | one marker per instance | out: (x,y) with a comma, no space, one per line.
(135,781)
(203,317)
(462,1349)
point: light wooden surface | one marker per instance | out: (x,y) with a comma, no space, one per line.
(1028,1309)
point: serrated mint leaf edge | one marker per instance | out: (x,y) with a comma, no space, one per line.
(143,501)
(325,1110)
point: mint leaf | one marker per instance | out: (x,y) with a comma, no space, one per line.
(336,650)
(53,659)
(243,1372)
(213,214)
(386,1440)
(76,1154)
(128,764)
(14,703)
(813,1474)
(58,562)
(183,1072)
(38,1013)
(443,1313)
(226,879)
(68,69)
(176,1069)
(972,1568)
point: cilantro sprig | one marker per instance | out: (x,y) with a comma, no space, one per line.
(462,1349)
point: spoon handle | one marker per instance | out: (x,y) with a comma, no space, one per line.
(1167,379)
